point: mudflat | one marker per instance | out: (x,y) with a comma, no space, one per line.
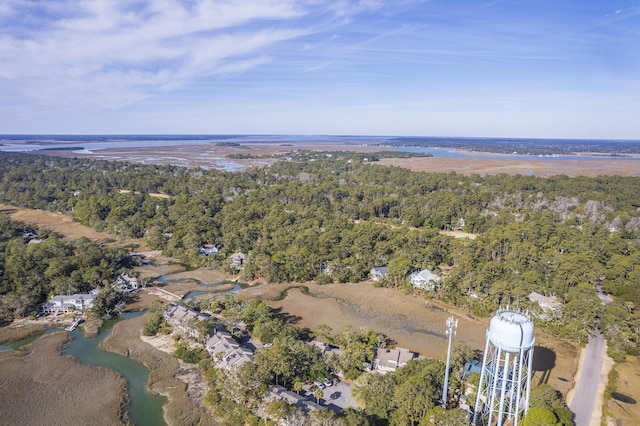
(216,156)
(57,389)
(411,321)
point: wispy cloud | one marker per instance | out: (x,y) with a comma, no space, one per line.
(103,53)
(218,65)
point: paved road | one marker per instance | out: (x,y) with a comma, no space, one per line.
(584,399)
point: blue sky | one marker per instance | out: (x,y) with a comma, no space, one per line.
(526,68)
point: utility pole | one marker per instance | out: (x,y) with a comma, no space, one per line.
(451,324)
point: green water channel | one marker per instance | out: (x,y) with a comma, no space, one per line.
(145,409)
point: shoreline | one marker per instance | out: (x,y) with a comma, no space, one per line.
(167,377)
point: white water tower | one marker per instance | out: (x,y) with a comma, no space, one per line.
(505,378)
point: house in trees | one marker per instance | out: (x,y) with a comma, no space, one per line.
(279,393)
(378,273)
(548,304)
(209,249)
(425,279)
(386,360)
(237,259)
(231,353)
(182,318)
(75,302)
(125,283)
(325,348)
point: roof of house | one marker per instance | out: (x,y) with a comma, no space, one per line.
(380,270)
(183,314)
(325,348)
(390,359)
(74,297)
(545,302)
(280,393)
(127,279)
(221,342)
(422,278)
(232,353)
(472,366)
(425,275)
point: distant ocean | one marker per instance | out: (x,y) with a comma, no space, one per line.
(436,146)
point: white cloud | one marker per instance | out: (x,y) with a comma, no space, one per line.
(109,54)
(102,53)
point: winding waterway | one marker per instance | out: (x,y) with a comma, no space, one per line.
(145,408)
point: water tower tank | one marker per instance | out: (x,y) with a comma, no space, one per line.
(505,378)
(511,331)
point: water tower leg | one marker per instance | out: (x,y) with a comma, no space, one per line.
(480,383)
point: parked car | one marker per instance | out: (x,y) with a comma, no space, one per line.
(328,382)
(319,384)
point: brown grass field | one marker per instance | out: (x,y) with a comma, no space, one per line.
(537,167)
(625,404)
(411,321)
(41,387)
(65,226)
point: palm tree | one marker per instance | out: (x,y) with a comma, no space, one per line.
(318,394)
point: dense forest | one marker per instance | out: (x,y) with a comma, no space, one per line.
(31,273)
(331,217)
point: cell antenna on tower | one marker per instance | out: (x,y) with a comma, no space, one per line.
(451,324)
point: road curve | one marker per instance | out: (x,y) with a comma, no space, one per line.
(584,399)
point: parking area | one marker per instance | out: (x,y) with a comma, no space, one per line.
(336,397)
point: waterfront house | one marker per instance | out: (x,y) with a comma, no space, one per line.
(386,360)
(126,284)
(325,348)
(182,318)
(73,303)
(425,279)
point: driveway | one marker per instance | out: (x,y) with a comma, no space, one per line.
(336,397)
